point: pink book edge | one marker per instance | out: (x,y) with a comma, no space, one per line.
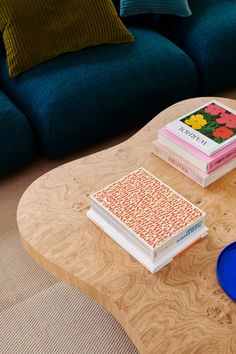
(212,161)
(184,166)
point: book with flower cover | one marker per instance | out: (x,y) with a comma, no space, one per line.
(194,156)
(209,128)
(149,217)
(188,169)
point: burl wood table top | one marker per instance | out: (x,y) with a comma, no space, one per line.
(180,309)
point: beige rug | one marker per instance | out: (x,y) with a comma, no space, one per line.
(61,320)
(39,314)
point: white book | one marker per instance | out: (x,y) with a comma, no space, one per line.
(152,254)
(137,253)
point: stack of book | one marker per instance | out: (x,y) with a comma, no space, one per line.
(201,144)
(147,218)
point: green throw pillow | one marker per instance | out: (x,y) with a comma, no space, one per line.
(170,7)
(34,31)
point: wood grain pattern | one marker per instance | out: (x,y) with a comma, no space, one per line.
(180,309)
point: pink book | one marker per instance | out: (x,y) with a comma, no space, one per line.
(204,162)
(190,170)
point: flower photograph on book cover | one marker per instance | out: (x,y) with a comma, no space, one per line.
(213,121)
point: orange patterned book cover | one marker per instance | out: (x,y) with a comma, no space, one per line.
(149,209)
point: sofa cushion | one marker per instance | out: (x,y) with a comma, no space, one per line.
(16,140)
(138,7)
(35,31)
(78,99)
(208,37)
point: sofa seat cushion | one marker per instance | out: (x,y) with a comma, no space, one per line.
(16,139)
(138,7)
(79,99)
(208,37)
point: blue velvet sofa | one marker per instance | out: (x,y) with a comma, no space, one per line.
(81,98)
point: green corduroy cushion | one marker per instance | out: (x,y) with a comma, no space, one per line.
(34,31)
(170,7)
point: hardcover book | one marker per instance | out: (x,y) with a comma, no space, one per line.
(204,162)
(147,217)
(209,128)
(189,169)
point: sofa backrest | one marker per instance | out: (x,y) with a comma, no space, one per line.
(117,4)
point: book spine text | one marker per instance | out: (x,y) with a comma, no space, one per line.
(180,166)
(221,160)
(177,240)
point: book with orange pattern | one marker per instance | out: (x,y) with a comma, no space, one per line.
(147,214)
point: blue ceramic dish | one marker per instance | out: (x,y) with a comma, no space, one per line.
(226,270)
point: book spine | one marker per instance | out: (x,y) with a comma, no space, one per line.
(183,149)
(178,239)
(180,166)
(221,160)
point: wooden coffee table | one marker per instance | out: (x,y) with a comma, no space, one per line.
(180,309)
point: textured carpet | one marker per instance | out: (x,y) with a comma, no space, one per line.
(39,314)
(61,320)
